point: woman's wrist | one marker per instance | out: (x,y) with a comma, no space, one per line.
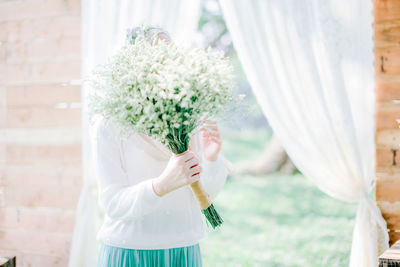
(158,187)
(212,158)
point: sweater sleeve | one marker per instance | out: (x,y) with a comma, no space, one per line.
(118,198)
(214,175)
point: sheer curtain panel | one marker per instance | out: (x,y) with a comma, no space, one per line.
(310,64)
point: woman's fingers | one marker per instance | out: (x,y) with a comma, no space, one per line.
(193,174)
(186,157)
(192,163)
(207,134)
(211,132)
(194,178)
(195,170)
(209,122)
(213,137)
(192,167)
(216,140)
(210,128)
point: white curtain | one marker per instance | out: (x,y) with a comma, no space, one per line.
(104,24)
(310,64)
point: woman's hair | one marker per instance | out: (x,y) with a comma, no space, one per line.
(148,31)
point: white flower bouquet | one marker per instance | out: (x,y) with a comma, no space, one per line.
(164,91)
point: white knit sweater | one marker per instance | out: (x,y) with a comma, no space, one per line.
(135,217)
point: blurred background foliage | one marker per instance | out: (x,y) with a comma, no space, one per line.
(212,31)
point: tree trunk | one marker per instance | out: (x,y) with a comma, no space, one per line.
(273,159)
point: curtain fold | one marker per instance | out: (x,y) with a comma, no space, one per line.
(103,30)
(310,65)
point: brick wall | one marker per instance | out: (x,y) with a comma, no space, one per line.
(387,73)
(40,146)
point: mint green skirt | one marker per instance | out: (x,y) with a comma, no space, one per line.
(110,256)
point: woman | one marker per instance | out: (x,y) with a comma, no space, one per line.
(151,215)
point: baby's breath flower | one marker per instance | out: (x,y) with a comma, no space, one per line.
(151,89)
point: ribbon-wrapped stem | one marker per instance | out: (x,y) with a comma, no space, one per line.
(206,206)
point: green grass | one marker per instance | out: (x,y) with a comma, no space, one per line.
(275,220)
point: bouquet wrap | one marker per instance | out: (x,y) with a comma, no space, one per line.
(201,195)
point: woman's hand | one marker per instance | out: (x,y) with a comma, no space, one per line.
(182,169)
(211,140)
